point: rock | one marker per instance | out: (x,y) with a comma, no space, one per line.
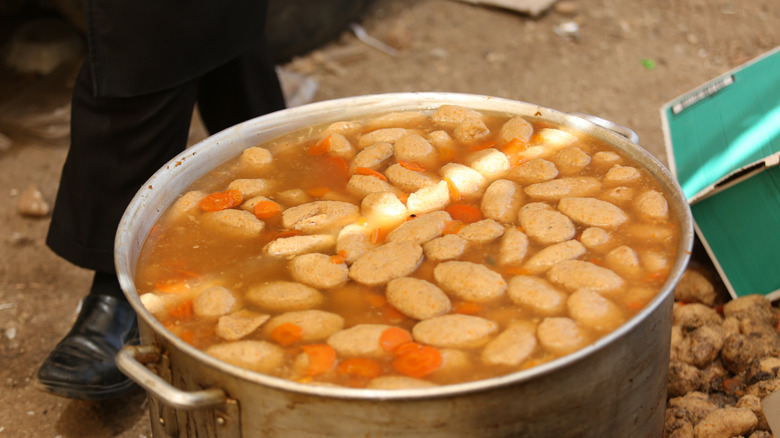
(682,379)
(694,287)
(31,203)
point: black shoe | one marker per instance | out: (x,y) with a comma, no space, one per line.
(82,365)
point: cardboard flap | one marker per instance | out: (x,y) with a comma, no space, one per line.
(736,177)
(723,145)
(724,125)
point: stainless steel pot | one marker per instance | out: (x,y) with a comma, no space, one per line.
(613,388)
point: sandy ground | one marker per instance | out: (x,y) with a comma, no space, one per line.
(622,62)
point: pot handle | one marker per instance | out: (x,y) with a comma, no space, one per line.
(612,126)
(130,360)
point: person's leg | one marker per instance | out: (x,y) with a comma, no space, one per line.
(116,145)
(239,90)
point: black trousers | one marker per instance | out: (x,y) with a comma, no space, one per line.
(118,143)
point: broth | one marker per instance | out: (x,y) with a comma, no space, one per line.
(488,243)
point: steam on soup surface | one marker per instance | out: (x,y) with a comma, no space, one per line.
(410,249)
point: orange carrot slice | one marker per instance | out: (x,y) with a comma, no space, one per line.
(336,165)
(221,200)
(266,209)
(183,311)
(287,333)
(391,315)
(173,286)
(321,147)
(318,192)
(411,165)
(454,192)
(360,367)
(446,154)
(467,308)
(322,357)
(378,235)
(452,227)
(375,300)
(465,213)
(370,172)
(635,305)
(418,362)
(392,337)
(406,348)
(339,258)
(515,270)
(514,150)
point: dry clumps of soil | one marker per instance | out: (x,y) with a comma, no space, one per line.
(724,361)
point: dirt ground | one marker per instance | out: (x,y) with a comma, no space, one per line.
(620,60)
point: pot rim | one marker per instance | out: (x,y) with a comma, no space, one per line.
(129,240)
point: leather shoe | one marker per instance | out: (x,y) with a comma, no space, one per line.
(82,364)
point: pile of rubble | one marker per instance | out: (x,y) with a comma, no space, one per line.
(725,360)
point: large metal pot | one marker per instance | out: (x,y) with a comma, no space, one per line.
(613,388)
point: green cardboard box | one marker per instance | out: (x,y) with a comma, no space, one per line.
(723,144)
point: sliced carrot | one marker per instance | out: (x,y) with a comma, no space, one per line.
(465,213)
(515,146)
(467,308)
(185,272)
(406,348)
(336,165)
(418,362)
(360,367)
(452,227)
(321,147)
(221,200)
(482,146)
(375,300)
(595,261)
(183,311)
(378,235)
(454,192)
(287,333)
(635,305)
(173,286)
(446,154)
(392,337)
(339,258)
(411,165)
(403,197)
(318,192)
(513,150)
(188,336)
(370,172)
(322,357)
(391,315)
(515,270)
(266,209)
(539,125)
(655,277)
(532,363)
